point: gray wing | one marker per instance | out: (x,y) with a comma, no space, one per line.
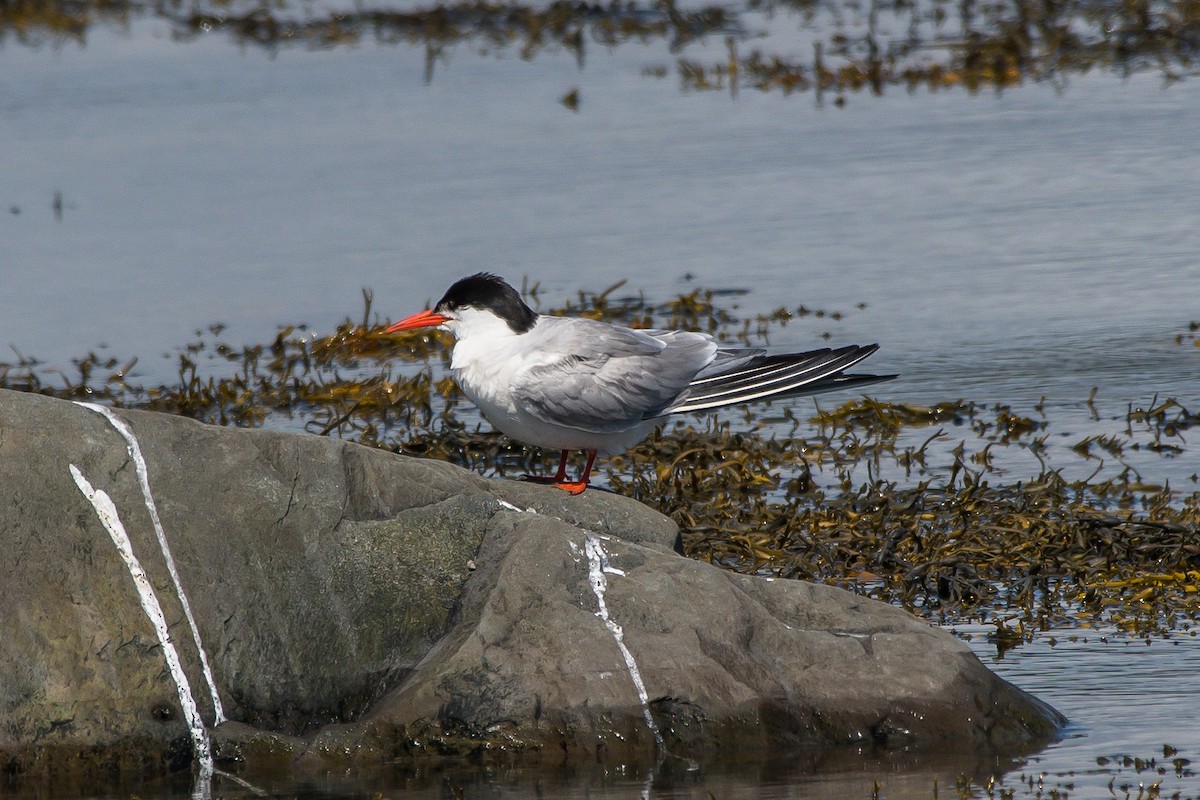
(609,378)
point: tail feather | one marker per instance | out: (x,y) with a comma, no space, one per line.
(755,368)
(778,369)
(787,375)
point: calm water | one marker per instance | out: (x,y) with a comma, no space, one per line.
(1038,242)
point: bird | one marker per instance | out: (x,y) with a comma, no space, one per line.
(571,383)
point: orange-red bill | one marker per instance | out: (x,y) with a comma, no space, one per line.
(425,319)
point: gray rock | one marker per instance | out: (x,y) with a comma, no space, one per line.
(357,604)
(729,662)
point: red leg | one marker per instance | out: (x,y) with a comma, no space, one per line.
(576,487)
(559,477)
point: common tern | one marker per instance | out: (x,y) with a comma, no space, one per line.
(567,383)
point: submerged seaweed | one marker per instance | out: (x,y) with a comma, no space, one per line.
(848,48)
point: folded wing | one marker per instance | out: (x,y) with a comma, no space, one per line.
(607,380)
(758,377)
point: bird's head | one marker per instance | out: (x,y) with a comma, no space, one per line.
(476,302)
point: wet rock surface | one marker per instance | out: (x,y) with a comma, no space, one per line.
(355,604)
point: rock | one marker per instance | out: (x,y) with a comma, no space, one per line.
(730,662)
(357,604)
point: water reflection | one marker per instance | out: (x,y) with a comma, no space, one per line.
(845,47)
(836,775)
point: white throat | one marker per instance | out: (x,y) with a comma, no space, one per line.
(479,335)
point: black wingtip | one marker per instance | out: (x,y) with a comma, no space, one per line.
(784,375)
